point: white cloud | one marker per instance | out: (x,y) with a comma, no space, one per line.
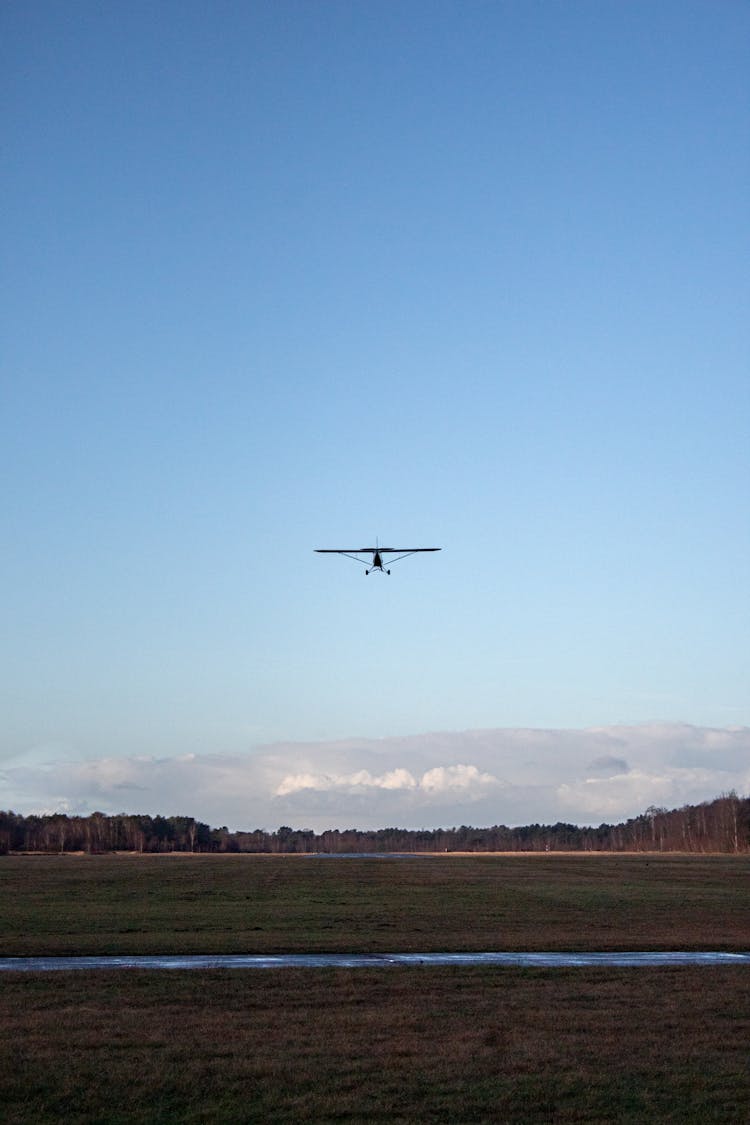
(439,780)
(362,779)
(613,798)
(483,777)
(624,795)
(455,779)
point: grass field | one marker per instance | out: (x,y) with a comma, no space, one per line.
(285,904)
(399,1045)
(402,1045)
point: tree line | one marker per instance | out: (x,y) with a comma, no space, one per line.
(721,825)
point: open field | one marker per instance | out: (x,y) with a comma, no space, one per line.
(397,1046)
(285,904)
(400,1045)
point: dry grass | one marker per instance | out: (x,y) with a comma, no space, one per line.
(395,1045)
(277,904)
(402,1045)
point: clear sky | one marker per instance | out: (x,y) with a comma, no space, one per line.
(292,275)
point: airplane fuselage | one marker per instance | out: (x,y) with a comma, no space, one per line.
(377,564)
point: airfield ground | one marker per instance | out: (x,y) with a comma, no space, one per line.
(371,1045)
(289,904)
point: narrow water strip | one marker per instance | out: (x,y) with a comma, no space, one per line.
(369,960)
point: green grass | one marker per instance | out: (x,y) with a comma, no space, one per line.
(393,1045)
(277,904)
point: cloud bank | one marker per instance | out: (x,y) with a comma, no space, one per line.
(484,777)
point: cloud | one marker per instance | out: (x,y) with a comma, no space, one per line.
(608,764)
(362,779)
(439,780)
(479,777)
(456,779)
(614,798)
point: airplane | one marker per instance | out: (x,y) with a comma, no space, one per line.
(377,553)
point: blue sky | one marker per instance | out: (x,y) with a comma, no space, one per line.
(292,275)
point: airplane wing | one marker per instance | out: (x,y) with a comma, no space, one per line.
(373,550)
(355,552)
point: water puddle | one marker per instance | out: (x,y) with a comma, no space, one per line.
(369,960)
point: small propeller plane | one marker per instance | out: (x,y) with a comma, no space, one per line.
(377,553)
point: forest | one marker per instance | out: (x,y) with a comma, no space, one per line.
(721,825)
